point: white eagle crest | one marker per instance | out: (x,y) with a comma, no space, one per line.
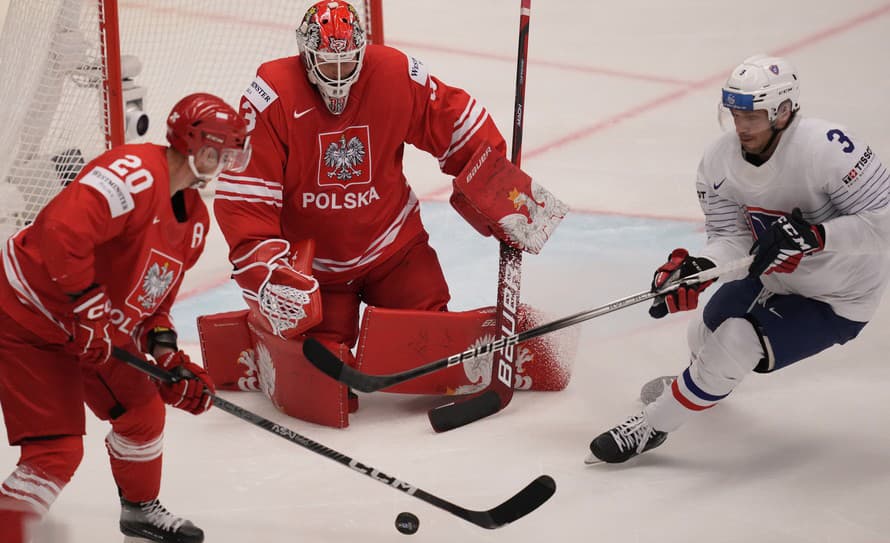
(265,369)
(343,157)
(250,381)
(155,285)
(545,211)
(478,369)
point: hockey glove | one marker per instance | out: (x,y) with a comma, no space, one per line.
(685,298)
(277,284)
(90,341)
(192,392)
(781,247)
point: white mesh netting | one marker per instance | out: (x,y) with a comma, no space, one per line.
(51,100)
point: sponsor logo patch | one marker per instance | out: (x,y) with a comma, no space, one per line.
(111,187)
(417,71)
(260,94)
(860,165)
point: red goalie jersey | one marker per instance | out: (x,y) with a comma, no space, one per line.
(124,215)
(338,179)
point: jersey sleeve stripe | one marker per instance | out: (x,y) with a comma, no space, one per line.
(465,128)
(250,189)
(18,282)
(249,200)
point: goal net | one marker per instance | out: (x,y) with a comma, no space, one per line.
(80,76)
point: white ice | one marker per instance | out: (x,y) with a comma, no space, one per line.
(621,101)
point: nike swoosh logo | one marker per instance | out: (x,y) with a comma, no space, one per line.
(156,220)
(720,184)
(774,312)
(298,115)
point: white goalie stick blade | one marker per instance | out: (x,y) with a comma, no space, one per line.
(653,389)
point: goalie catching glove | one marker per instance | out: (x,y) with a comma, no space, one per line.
(279,286)
(685,298)
(499,199)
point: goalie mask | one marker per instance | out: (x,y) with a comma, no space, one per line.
(203,120)
(332,47)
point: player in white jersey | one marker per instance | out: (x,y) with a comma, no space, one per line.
(806,197)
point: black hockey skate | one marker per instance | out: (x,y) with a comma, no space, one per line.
(625,441)
(151,521)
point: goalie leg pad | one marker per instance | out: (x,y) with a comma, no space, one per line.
(227,350)
(241,353)
(294,385)
(394,340)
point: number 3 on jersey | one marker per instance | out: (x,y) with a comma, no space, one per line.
(835,134)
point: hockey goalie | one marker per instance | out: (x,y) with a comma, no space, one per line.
(323,220)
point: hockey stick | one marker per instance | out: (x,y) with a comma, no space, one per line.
(500,388)
(524,502)
(327,362)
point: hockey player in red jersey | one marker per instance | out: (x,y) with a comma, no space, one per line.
(101,266)
(323,219)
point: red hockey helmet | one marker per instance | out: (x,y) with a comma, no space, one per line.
(332,45)
(203,120)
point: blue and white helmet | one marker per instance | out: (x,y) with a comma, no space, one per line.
(762,82)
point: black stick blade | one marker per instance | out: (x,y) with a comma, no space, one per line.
(527,500)
(456,414)
(323,359)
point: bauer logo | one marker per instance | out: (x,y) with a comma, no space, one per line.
(344,157)
(260,94)
(475,169)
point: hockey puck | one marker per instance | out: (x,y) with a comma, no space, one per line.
(407,523)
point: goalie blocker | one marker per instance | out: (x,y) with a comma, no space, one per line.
(499,199)
(241,353)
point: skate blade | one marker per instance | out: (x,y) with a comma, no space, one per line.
(134,539)
(591,460)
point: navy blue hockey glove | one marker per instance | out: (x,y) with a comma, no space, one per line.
(685,298)
(781,247)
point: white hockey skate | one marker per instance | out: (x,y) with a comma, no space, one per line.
(625,441)
(150,521)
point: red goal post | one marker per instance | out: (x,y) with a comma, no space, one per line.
(81,76)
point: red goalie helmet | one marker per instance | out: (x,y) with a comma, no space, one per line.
(204,120)
(332,46)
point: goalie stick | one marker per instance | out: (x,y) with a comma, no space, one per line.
(500,388)
(519,505)
(328,363)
